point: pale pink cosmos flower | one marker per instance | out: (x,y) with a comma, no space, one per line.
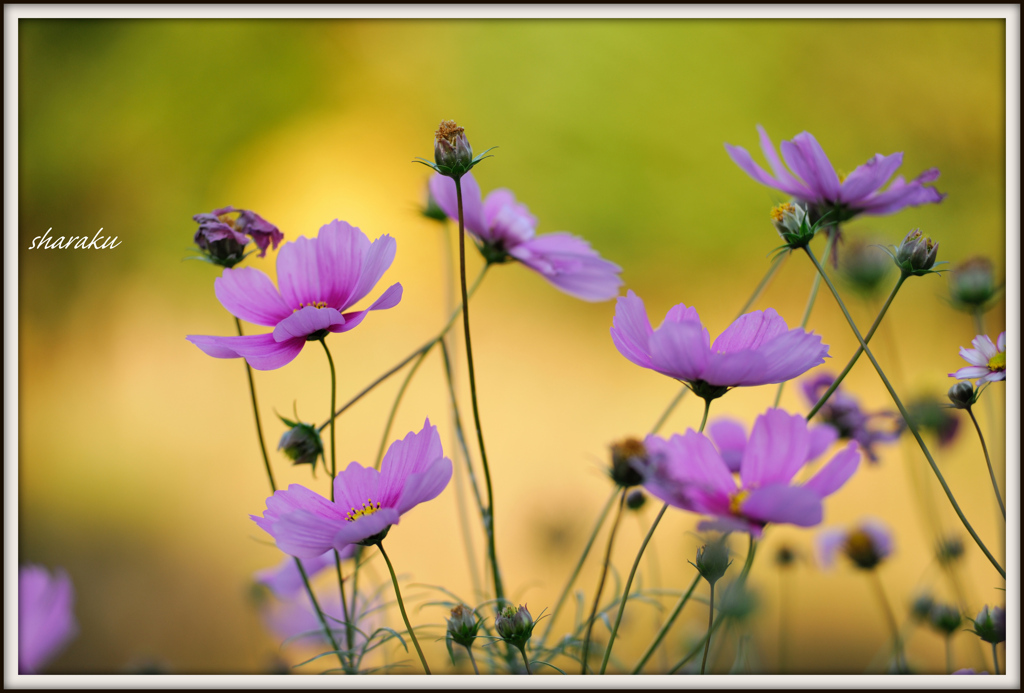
(366,502)
(318,279)
(686,471)
(988,360)
(285,580)
(46,621)
(505,229)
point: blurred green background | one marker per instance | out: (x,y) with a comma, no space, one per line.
(138,466)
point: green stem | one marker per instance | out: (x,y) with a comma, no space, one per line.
(394,406)
(906,417)
(815,285)
(499,591)
(876,582)
(460,433)
(472,660)
(320,615)
(746,306)
(711,623)
(949,655)
(256,416)
(995,658)
(525,660)
(636,562)
(401,607)
(600,584)
(783,631)
(579,565)
(856,354)
(988,461)
(665,628)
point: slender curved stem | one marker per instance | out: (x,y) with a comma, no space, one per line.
(906,416)
(256,416)
(459,431)
(856,354)
(579,565)
(665,628)
(988,461)
(746,306)
(472,660)
(876,582)
(499,590)
(600,584)
(526,660)
(711,623)
(401,607)
(636,562)
(394,406)
(815,285)
(995,658)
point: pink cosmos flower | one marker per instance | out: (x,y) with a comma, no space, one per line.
(757,349)
(988,360)
(319,278)
(367,502)
(285,580)
(686,471)
(843,411)
(45,619)
(730,438)
(866,545)
(505,228)
(812,179)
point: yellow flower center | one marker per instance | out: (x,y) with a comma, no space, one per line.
(779,210)
(368,508)
(997,362)
(736,501)
(842,175)
(315,304)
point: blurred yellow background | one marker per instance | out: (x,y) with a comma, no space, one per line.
(138,464)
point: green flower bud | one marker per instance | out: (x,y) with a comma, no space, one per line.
(864,266)
(452,152)
(945,618)
(515,626)
(962,395)
(949,549)
(301,443)
(737,600)
(990,625)
(785,556)
(629,462)
(463,625)
(635,500)
(972,284)
(915,256)
(712,561)
(793,224)
(921,608)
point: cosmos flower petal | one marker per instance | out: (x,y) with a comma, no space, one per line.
(342,251)
(726,523)
(298,273)
(303,534)
(837,472)
(983,343)
(901,194)
(356,486)
(570,264)
(830,543)
(869,177)
(689,459)
(736,368)
(46,620)
(776,450)
(631,330)
(791,354)
(261,351)
(785,504)
(376,262)
(751,331)
(426,485)
(443,190)
(741,157)
(731,439)
(784,176)
(389,299)
(295,497)
(365,527)
(1001,342)
(285,580)
(680,350)
(248,293)
(407,456)
(822,174)
(822,436)
(970,372)
(305,322)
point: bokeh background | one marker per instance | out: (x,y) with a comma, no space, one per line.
(138,465)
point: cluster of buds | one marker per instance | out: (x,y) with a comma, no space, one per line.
(453,156)
(972,285)
(945,618)
(963,395)
(990,625)
(301,443)
(712,561)
(463,625)
(629,462)
(224,233)
(515,626)
(915,256)
(793,224)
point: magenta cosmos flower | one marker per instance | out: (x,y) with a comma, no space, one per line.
(988,360)
(318,278)
(757,349)
(505,229)
(367,502)
(867,544)
(812,179)
(686,471)
(45,619)
(730,439)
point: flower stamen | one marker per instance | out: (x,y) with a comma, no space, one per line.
(367,508)
(736,501)
(314,304)
(998,362)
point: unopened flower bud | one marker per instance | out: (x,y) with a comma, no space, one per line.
(972,284)
(636,499)
(949,549)
(990,625)
(301,443)
(945,618)
(916,255)
(921,608)
(864,266)
(452,153)
(792,224)
(712,561)
(737,601)
(261,231)
(463,625)
(962,395)
(514,625)
(785,556)
(629,462)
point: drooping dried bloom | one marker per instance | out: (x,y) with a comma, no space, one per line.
(756,349)
(687,472)
(46,621)
(318,278)
(866,545)
(367,502)
(988,360)
(222,236)
(505,230)
(972,284)
(812,179)
(990,624)
(843,411)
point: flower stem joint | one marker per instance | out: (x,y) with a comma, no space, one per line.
(453,155)
(463,625)
(515,626)
(915,256)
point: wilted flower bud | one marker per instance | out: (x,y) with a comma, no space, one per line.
(629,462)
(301,443)
(737,600)
(221,242)
(635,500)
(915,256)
(864,266)
(261,231)
(463,625)
(712,561)
(921,608)
(945,618)
(451,149)
(514,625)
(990,625)
(793,225)
(962,395)
(785,556)
(949,549)
(972,284)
